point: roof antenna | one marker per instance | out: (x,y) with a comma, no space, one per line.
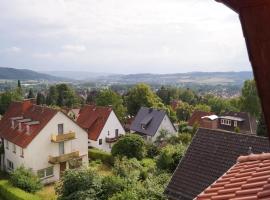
(250,151)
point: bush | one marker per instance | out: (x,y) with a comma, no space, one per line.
(127,168)
(112,185)
(185,138)
(25,179)
(79,184)
(131,146)
(9,192)
(151,150)
(96,154)
(170,157)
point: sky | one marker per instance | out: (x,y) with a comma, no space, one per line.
(121,36)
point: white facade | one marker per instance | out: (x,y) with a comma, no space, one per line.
(109,131)
(166,124)
(36,154)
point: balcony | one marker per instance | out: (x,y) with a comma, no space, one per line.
(63,137)
(112,140)
(64,157)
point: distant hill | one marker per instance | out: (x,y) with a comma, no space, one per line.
(25,74)
(201,78)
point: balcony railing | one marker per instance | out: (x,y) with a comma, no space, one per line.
(63,137)
(64,157)
(112,140)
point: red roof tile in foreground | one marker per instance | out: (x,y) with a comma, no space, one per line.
(93,118)
(27,110)
(248,179)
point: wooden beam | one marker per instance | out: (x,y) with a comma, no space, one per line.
(255,19)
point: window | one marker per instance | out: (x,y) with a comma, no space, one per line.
(22,153)
(116,132)
(7,144)
(235,123)
(226,122)
(62,148)
(10,165)
(100,141)
(45,173)
(14,148)
(143,126)
(60,129)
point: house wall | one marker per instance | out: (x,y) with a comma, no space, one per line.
(166,124)
(108,131)
(36,155)
(231,127)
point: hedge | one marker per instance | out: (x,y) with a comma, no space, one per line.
(8,192)
(96,154)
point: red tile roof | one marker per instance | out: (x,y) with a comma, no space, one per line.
(27,110)
(93,118)
(248,179)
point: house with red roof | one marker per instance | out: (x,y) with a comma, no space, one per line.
(249,178)
(102,125)
(42,139)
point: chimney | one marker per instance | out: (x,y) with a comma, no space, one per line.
(28,129)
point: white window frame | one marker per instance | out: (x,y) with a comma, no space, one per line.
(45,172)
(21,152)
(7,144)
(235,123)
(14,148)
(10,165)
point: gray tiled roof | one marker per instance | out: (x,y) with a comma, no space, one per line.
(210,154)
(150,117)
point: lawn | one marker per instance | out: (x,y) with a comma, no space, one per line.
(101,168)
(47,193)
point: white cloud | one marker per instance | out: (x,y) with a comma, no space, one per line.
(124,35)
(74,48)
(13,49)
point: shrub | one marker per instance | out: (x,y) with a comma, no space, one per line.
(151,150)
(170,157)
(96,154)
(131,146)
(9,192)
(79,184)
(25,179)
(185,138)
(112,185)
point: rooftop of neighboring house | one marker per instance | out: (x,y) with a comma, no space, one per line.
(210,154)
(23,121)
(147,121)
(93,118)
(248,122)
(249,178)
(197,117)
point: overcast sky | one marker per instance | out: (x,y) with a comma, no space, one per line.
(121,36)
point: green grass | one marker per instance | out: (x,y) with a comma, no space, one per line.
(47,193)
(8,192)
(101,168)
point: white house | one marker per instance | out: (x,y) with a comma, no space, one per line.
(149,122)
(42,139)
(102,125)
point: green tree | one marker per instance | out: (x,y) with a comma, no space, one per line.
(30,94)
(6,98)
(52,96)
(141,95)
(184,111)
(170,156)
(261,127)
(40,99)
(25,179)
(250,101)
(130,145)
(202,107)
(110,98)
(188,96)
(79,184)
